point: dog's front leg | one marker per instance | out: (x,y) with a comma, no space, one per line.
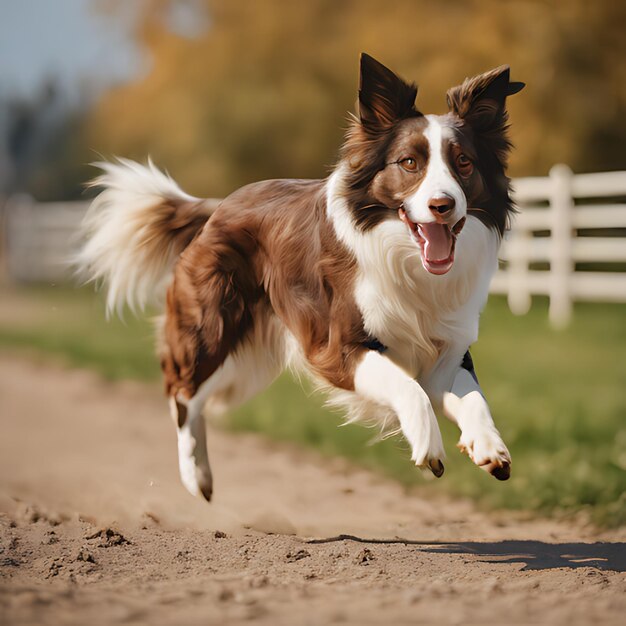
(466,406)
(377,378)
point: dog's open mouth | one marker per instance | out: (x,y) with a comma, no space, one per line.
(436,242)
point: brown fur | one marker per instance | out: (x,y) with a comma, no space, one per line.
(385,102)
(177,223)
(269,249)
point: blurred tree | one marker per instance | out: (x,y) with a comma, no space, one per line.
(41,146)
(263,89)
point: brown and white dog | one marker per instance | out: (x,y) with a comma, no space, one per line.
(371,281)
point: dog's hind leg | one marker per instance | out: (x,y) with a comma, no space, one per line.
(193,458)
(249,369)
(253,362)
(202,328)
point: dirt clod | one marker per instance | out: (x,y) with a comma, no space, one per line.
(54,568)
(108,538)
(86,556)
(292,557)
(365,557)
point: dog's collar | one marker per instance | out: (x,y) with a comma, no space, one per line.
(467,363)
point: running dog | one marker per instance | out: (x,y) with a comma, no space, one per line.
(371,281)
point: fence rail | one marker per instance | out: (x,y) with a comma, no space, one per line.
(564,220)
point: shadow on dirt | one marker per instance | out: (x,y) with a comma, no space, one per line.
(535,555)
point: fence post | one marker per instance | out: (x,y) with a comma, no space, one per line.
(19,225)
(561,264)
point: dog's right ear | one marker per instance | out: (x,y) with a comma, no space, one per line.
(384,98)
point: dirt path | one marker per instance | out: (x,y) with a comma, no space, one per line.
(79,457)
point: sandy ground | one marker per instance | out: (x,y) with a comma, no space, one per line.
(96,529)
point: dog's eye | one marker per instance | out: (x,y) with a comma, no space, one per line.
(409,164)
(464,165)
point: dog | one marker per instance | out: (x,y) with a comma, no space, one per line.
(371,281)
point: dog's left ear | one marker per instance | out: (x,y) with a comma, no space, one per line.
(480,101)
(384,98)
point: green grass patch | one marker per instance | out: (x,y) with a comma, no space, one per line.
(70,324)
(559,399)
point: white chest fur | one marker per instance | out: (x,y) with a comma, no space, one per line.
(426,321)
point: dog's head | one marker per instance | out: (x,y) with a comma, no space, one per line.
(429,171)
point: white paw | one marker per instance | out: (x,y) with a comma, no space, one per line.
(426,444)
(193,464)
(197,479)
(483,444)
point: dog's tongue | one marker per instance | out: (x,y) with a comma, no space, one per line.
(438,241)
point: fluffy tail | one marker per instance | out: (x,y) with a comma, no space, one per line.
(134,231)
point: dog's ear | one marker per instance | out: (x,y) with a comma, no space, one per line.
(384,98)
(480,101)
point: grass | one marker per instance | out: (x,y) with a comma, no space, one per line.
(70,325)
(559,399)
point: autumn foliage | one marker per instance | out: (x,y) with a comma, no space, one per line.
(263,90)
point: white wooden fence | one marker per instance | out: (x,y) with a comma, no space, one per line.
(39,238)
(560,207)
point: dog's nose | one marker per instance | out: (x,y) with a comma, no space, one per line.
(441,206)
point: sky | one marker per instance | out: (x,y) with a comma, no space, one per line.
(85,48)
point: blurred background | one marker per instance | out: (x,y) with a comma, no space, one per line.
(222,93)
